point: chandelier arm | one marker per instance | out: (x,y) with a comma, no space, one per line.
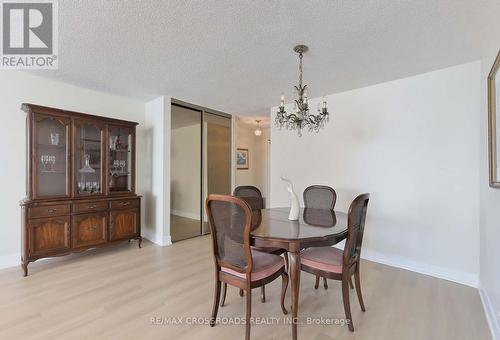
(292,117)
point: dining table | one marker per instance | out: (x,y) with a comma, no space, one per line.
(314,228)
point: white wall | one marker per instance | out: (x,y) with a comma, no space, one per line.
(257,146)
(413,145)
(490,218)
(157,200)
(18,87)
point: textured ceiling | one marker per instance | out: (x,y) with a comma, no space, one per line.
(236,56)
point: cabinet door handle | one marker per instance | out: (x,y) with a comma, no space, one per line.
(50,211)
(124,203)
(93,206)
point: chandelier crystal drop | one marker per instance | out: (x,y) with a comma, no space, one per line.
(301,117)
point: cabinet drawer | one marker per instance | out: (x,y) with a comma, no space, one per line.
(49,235)
(89,229)
(90,206)
(124,204)
(49,210)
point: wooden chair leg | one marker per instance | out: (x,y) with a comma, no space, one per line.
(347,306)
(224,289)
(249,312)
(287,265)
(316,285)
(263,299)
(325,284)
(241,292)
(284,285)
(216,302)
(350,282)
(358,289)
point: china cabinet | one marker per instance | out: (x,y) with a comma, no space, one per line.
(80,183)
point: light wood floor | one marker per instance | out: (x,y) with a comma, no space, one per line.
(113,294)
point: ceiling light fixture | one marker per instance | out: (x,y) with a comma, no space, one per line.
(258,131)
(301,117)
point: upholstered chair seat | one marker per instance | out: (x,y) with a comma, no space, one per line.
(328,259)
(264,265)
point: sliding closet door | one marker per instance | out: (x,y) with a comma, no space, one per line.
(185,184)
(217,156)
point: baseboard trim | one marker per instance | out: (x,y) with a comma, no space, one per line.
(167,240)
(490,313)
(8,261)
(467,279)
(157,239)
(185,214)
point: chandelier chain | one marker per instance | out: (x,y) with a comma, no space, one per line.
(300,69)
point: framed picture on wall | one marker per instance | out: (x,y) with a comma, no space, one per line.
(242,159)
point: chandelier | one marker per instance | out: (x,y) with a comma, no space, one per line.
(258,131)
(301,118)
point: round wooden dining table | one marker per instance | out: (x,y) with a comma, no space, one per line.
(314,228)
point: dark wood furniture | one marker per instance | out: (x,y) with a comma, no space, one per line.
(341,265)
(230,221)
(80,185)
(276,230)
(320,197)
(253,197)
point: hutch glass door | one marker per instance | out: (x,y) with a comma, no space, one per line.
(51,152)
(89,138)
(120,160)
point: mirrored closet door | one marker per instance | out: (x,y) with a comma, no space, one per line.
(185,172)
(200,165)
(217,158)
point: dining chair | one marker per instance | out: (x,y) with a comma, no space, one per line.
(320,197)
(253,197)
(236,263)
(335,264)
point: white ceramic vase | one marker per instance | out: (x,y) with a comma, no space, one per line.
(294,201)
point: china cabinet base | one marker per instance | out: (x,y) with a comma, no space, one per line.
(80,184)
(25,263)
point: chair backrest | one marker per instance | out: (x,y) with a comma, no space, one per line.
(355,229)
(319,197)
(230,224)
(253,197)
